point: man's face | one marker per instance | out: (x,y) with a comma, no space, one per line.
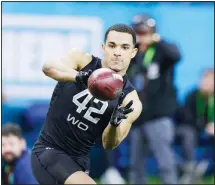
(207,83)
(12,147)
(144,38)
(118,51)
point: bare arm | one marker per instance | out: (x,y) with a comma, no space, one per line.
(67,67)
(113,136)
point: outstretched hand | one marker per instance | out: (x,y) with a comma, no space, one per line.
(82,77)
(120,112)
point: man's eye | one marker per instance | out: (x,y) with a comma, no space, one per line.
(111,46)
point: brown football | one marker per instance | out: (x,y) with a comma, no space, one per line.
(104,84)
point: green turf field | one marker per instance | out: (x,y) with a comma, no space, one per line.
(154,180)
(206,180)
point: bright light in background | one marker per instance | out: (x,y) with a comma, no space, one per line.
(29,40)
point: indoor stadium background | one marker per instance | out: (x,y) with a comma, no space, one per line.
(34,31)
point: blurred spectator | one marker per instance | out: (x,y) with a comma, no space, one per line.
(16,167)
(111,174)
(198,119)
(152,73)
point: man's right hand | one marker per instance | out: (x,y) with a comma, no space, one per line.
(82,77)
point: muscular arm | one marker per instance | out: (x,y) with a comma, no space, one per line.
(67,67)
(113,136)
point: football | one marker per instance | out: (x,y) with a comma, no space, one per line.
(105,84)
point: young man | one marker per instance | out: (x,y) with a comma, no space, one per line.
(16,158)
(76,119)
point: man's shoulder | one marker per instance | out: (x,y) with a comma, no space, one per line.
(128,84)
(24,158)
(93,64)
(81,57)
(164,42)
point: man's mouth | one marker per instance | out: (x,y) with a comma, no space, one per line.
(116,59)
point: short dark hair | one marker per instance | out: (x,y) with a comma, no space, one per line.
(121,28)
(12,129)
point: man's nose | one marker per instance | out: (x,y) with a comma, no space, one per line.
(117,52)
(6,148)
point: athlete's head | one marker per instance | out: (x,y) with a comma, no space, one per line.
(206,84)
(13,143)
(145,29)
(119,47)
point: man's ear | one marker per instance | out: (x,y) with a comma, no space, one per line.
(103,47)
(134,52)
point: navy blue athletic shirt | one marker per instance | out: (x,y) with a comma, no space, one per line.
(75,119)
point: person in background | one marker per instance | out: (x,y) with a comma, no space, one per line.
(16,163)
(198,119)
(152,74)
(111,174)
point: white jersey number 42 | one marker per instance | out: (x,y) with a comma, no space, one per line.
(82,106)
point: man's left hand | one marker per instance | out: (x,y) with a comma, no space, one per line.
(120,112)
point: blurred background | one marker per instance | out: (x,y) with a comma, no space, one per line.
(32,32)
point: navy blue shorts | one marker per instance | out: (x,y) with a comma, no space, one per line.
(52,166)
